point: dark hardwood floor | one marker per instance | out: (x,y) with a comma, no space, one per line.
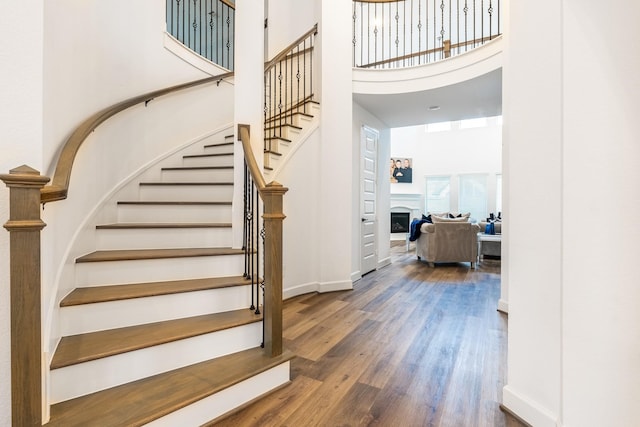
(409,346)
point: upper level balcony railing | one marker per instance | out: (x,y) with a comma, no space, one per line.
(405,33)
(204,26)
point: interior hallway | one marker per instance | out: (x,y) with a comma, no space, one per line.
(409,346)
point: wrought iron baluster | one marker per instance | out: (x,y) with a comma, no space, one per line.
(353,40)
(257,247)
(490,11)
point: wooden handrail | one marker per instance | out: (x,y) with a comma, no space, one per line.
(60,183)
(245,137)
(286,50)
(229,3)
(272,197)
(481,40)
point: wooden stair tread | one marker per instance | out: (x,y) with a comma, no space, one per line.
(289,125)
(191,156)
(96,345)
(170,202)
(219,144)
(138,254)
(178,184)
(196,168)
(277,138)
(284,115)
(98,294)
(147,225)
(275,153)
(142,401)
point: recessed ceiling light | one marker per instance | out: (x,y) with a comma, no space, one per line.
(434,107)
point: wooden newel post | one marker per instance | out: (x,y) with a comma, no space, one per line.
(447,48)
(273,216)
(24,226)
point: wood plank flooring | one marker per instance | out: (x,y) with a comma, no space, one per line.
(409,346)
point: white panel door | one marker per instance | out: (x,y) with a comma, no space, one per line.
(368,166)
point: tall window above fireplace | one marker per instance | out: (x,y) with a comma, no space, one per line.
(399,222)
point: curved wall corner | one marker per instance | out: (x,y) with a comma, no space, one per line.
(457,69)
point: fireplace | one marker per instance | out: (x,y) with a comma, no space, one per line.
(400,222)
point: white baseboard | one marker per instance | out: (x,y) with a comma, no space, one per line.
(503,306)
(355,276)
(311,287)
(530,411)
(384,262)
(305,288)
(343,285)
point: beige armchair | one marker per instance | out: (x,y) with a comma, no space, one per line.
(450,241)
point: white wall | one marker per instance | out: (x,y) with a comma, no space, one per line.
(97,53)
(21,129)
(574,352)
(288,20)
(454,152)
(362,117)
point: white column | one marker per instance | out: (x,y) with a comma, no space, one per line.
(249,92)
(532,112)
(601,169)
(339,168)
(21,77)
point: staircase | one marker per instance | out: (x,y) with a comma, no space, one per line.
(158,330)
(284,133)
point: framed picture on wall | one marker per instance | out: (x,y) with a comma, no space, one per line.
(401,170)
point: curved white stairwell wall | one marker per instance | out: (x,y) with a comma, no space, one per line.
(95,55)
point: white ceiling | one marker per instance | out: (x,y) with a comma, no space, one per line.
(478,97)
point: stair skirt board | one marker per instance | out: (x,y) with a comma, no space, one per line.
(234,397)
(202,174)
(141,212)
(80,319)
(152,270)
(157,238)
(88,377)
(186,192)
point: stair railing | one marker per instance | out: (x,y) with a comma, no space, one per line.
(405,33)
(27,190)
(271,235)
(206,27)
(288,86)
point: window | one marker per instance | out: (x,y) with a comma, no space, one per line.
(438,127)
(473,195)
(438,194)
(473,123)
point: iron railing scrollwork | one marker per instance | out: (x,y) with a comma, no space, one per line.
(288,86)
(415,32)
(205,26)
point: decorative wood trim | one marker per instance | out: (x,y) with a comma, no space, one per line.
(272,195)
(24,226)
(60,184)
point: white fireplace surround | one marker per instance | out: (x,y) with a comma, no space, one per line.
(406,202)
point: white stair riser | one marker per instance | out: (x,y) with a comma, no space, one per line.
(197,175)
(286,132)
(208,161)
(84,378)
(156,270)
(186,193)
(158,238)
(174,213)
(216,405)
(218,149)
(86,318)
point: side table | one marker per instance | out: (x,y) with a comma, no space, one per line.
(482,237)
